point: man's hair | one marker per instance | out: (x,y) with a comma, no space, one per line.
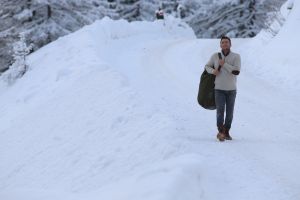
(224,37)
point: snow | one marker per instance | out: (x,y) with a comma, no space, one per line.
(24,15)
(110,112)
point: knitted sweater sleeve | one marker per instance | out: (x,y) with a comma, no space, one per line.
(236,66)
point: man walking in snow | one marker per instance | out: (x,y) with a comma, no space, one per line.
(225,85)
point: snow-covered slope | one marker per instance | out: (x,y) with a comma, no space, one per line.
(279,56)
(110,112)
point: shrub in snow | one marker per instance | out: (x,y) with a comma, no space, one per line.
(19,67)
(290,5)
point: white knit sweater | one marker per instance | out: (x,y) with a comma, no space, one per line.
(225,80)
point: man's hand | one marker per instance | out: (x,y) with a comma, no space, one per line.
(216,72)
(221,62)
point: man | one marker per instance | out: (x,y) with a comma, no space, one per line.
(225,85)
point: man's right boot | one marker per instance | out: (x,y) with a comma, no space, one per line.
(221,134)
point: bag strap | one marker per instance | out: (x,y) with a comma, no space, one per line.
(220,57)
(234,72)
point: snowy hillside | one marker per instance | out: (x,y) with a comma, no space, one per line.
(43,21)
(110,112)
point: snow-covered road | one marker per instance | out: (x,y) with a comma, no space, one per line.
(110,112)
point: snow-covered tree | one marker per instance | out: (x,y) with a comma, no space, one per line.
(19,67)
(108,8)
(242,19)
(20,51)
(129,9)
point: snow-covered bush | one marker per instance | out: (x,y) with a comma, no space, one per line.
(19,67)
(290,5)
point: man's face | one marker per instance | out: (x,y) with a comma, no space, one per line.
(225,44)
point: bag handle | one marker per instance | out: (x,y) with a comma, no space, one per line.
(234,72)
(220,58)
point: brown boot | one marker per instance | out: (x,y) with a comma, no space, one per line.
(221,135)
(227,136)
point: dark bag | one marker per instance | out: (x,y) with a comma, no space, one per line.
(206,93)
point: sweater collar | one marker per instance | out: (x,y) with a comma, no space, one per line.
(225,54)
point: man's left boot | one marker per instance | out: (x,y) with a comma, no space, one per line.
(227,135)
